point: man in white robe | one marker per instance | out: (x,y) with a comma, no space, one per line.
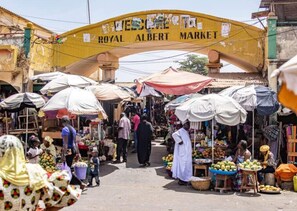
(182,168)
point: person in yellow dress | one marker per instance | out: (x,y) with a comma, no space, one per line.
(23,185)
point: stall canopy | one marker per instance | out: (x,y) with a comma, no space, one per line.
(253,97)
(180,100)
(75,100)
(224,110)
(149,91)
(47,76)
(107,92)
(18,102)
(175,82)
(66,81)
(288,77)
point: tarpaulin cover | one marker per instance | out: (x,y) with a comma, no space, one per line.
(175,82)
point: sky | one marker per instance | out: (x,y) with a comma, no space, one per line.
(61,16)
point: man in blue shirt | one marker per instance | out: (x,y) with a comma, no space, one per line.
(70,148)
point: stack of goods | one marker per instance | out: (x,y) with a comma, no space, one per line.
(47,162)
(250,165)
(227,166)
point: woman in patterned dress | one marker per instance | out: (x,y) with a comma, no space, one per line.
(24,185)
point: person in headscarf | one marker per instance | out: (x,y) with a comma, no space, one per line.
(23,185)
(48,147)
(268,162)
(145,134)
(182,168)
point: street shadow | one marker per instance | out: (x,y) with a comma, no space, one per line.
(161,171)
(248,194)
(107,169)
(189,189)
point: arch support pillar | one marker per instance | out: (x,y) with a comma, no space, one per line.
(109,63)
(214,61)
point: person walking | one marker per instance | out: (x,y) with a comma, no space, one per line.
(182,158)
(70,149)
(123,136)
(136,121)
(144,145)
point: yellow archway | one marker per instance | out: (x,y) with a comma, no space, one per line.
(83,50)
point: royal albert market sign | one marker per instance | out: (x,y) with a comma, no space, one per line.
(161,27)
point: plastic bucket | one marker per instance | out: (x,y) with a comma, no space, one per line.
(295,183)
(80,172)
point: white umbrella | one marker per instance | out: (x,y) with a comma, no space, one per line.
(47,76)
(106,92)
(223,109)
(75,100)
(18,102)
(66,81)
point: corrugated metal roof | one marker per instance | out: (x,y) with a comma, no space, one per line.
(224,80)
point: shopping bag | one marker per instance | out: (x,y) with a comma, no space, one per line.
(65,167)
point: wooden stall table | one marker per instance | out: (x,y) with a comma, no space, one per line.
(198,167)
(245,181)
(225,177)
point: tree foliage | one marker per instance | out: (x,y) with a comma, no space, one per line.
(194,63)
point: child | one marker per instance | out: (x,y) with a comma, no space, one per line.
(94,168)
(34,152)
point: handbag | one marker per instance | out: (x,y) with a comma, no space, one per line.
(66,168)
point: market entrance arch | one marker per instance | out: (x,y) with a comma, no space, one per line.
(83,50)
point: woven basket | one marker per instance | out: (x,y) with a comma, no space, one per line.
(201,185)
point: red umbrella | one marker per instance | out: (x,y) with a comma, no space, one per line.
(175,82)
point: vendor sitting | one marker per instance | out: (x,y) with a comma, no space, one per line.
(268,162)
(242,154)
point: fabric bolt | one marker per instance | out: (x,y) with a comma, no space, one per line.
(182,158)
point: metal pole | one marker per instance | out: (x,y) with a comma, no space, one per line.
(253,135)
(89,14)
(6,122)
(212,140)
(27,123)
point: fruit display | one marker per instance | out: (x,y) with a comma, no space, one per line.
(269,188)
(224,166)
(218,153)
(220,143)
(168,158)
(196,154)
(169,166)
(47,162)
(250,165)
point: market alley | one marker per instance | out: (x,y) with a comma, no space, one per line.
(128,187)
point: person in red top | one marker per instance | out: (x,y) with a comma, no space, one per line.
(136,121)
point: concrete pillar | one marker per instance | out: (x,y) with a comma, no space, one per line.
(214,64)
(109,64)
(272,82)
(272,31)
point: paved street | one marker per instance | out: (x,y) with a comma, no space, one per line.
(128,187)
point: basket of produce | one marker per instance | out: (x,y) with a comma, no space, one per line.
(47,162)
(223,168)
(80,169)
(200,183)
(167,159)
(269,189)
(250,166)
